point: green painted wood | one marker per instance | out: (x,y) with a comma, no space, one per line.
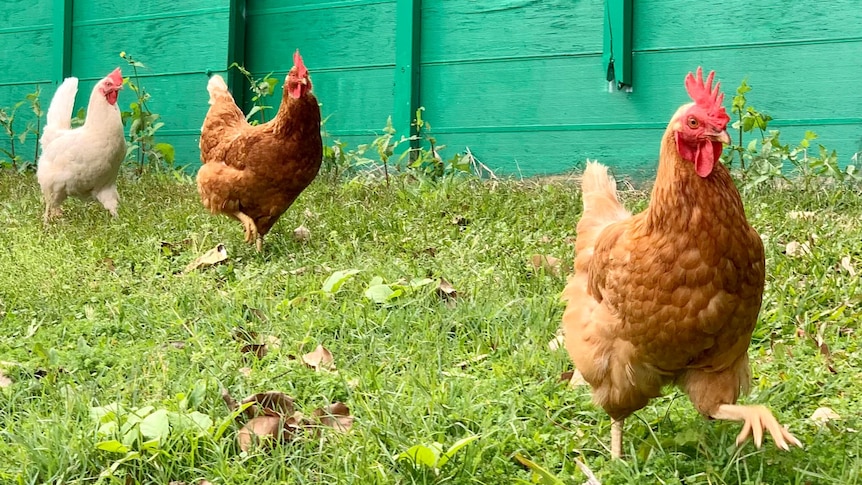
(520,82)
(62,39)
(617,42)
(407,66)
(236,49)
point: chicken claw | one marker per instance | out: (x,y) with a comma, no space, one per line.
(248,224)
(755,420)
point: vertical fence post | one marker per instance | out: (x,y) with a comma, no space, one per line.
(62,38)
(407,37)
(236,50)
(617,43)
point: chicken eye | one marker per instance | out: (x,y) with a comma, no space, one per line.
(693,123)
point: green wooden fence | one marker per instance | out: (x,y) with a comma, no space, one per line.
(522,83)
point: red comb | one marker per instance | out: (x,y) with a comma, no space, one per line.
(704,95)
(300,66)
(116,76)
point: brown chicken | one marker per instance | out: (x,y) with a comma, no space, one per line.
(254,173)
(670,295)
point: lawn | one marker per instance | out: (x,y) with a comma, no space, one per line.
(99,323)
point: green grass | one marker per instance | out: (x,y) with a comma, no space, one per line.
(94,311)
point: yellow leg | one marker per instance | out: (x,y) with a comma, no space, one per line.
(616,438)
(755,420)
(247,224)
(258,243)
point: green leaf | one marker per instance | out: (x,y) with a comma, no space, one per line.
(167,151)
(156,425)
(426,456)
(382,293)
(455,448)
(336,279)
(112,446)
(545,477)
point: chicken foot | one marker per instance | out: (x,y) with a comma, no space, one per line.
(250,227)
(617,438)
(756,419)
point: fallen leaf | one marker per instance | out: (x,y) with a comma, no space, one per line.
(247,310)
(801,214)
(848,266)
(259,350)
(109,264)
(430,251)
(273,342)
(242,335)
(302,234)
(823,415)
(460,221)
(298,271)
(336,415)
(446,290)
(319,359)
(558,341)
(259,430)
(547,263)
(545,239)
(308,214)
(575,378)
(177,344)
(795,248)
(245,371)
(466,363)
(269,403)
(5,381)
(212,257)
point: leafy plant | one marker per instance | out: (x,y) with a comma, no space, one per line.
(432,456)
(261,88)
(7,121)
(144,124)
(770,160)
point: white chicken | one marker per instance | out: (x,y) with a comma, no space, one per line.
(82,162)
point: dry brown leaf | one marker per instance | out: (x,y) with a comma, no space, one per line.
(258,350)
(546,263)
(823,415)
(270,403)
(256,312)
(801,214)
(795,248)
(446,290)
(177,344)
(336,416)
(848,266)
(5,381)
(558,341)
(302,234)
(545,239)
(204,482)
(273,342)
(308,214)
(319,359)
(244,336)
(109,264)
(466,363)
(245,371)
(262,429)
(574,378)
(212,257)
(460,221)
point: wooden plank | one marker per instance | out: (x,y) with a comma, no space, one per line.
(407,67)
(668,24)
(95,10)
(62,39)
(617,42)
(236,50)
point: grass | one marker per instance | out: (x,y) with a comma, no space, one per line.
(95,311)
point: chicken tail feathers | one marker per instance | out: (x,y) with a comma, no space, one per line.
(59,116)
(218,89)
(601,207)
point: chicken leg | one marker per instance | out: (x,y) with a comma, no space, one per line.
(250,227)
(756,419)
(617,438)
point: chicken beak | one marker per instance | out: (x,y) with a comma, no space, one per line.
(304,81)
(721,136)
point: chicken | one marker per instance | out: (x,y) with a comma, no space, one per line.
(82,162)
(670,295)
(254,173)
